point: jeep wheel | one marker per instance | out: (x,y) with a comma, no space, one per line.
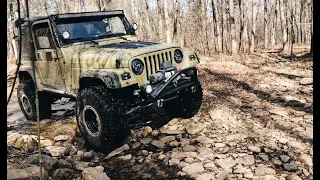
(26,99)
(187,105)
(98,117)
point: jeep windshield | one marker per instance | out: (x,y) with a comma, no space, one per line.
(71,30)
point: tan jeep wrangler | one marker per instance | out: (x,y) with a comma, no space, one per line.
(96,58)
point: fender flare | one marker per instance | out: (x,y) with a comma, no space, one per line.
(30,72)
(110,79)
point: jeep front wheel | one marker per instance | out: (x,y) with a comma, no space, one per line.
(98,118)
(187,104)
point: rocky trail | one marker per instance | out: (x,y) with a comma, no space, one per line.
(256,122)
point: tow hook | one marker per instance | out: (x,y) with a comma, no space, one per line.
(160,103)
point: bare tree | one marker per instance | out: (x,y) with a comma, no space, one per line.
(234,48)
(216,24)
(175,21)
(166,15)
(285,43)
(266,24)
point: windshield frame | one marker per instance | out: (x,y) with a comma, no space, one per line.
(64,42)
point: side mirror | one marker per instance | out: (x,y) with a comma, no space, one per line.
(135,26)
(43,42)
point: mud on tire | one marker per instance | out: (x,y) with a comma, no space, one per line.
(187,105)
(26,99)
(98,116)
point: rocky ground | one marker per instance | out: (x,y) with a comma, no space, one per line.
(256,122)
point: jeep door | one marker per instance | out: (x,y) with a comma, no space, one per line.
(48,65)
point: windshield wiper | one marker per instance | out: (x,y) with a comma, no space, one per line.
(85,39)
(123,38)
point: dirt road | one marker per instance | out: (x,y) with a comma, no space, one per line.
(256,122)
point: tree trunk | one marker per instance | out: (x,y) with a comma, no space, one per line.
(224,28)
(253,28)
(265,24)
(149,33)
(234,48)
(166,15)
(274,24)
(216,25)
(301,21)
(311,27)
(243,26)
(204,26)
(285,43)
(175,21)
(160,20)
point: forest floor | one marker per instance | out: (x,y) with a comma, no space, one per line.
(255,122)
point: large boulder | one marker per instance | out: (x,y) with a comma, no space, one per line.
(49,163)
(22,141)
(25,174)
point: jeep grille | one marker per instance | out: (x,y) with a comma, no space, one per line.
(152,62)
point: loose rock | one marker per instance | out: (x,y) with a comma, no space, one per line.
(61,137)
(204,140)
(135,145)
(276,162)
(306,81)
(254,149)
(94,173)
(146,140)
(246,160)
(174,162)
(284,158)
(296,145)
(195,128)
(306,159)
(118,151)
(181,155)
(57,151)
(263,170)
(206,176)
(189,148)
(125,157)
(158,144)
(63,173)
(290,167)
(167,139)
(225,163)
(49,163)
(219,145)
(222,175)
(23,174)
(293,177)
(194,168)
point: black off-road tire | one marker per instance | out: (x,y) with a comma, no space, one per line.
(26,98)
(187,105)
(98,115)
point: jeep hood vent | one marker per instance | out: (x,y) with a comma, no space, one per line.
(130,45)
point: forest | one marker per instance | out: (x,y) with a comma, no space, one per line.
(205,26)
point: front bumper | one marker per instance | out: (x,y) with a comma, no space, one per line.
(182,81)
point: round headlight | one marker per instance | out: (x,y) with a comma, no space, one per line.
(148,88)
(178,56)
(137,66)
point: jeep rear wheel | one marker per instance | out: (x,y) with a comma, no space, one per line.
(187,105)
(99,118)
(26,99)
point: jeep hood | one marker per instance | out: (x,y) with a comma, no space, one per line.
(103,54)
